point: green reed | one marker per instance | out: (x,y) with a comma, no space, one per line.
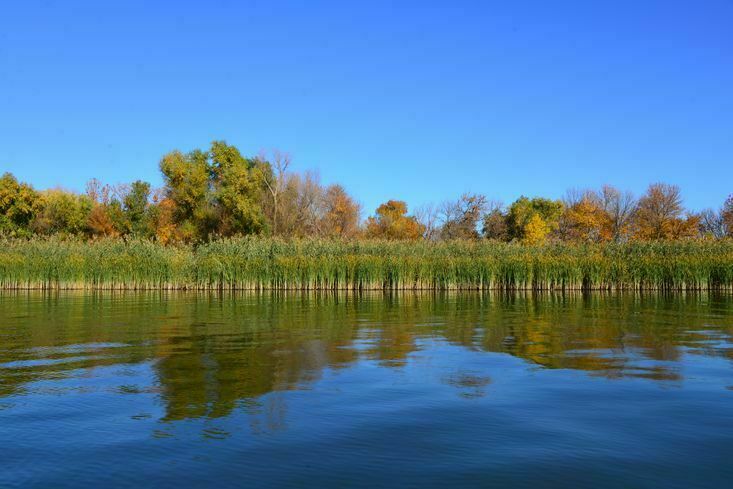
(257,263)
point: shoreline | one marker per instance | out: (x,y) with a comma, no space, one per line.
(302,265)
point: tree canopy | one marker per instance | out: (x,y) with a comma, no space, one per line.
(392,222)
(219,192)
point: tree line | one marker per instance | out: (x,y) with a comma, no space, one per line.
(214,193)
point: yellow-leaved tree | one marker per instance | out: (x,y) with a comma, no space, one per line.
(392,222)
(536,231)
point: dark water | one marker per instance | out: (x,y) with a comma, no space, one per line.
(407,390)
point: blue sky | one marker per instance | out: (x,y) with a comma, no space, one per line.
(414,100)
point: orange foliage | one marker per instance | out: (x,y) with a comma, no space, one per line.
(392,222)
(587,221)
(165,225)
(341,219)
(100,224)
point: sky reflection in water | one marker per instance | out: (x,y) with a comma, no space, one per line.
(360,390)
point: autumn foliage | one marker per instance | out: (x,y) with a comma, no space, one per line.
(219,192)
(392,222)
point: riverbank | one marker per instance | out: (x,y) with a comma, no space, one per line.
(261,264)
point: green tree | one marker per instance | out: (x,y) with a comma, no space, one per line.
(136,209)
(522,211)
(187,183)
(215,192)
(136,201)
(62,212)
(238,186)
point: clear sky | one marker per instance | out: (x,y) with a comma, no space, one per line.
(414,100)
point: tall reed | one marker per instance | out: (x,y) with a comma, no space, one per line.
(257,263)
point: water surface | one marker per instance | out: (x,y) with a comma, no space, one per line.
(342,390)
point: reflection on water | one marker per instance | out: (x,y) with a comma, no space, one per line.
(211,352)
(164,359)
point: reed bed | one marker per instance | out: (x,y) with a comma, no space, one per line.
(260,264)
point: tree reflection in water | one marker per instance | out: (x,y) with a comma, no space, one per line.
(212,354)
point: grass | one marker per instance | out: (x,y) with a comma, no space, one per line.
(258,264)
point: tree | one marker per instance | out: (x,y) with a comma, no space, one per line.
(522,212)
(302,205)
(215,192)
(712,224)
(97,192)
(119,210)
(584,219)
(727,215)
(105,217)
(310,209)
(427,216)
(62,212)
(161,215)
(187,186)
(276,184)
(18,205)
(659,215)
(620,208)
(238,187)
(536,230)
(341,214)
(99,222)
(460,218)
(135,210)
(136,202)
(392,222)
(495,223)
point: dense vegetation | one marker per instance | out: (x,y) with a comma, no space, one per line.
(221,193)
(223,220)
(256,263)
